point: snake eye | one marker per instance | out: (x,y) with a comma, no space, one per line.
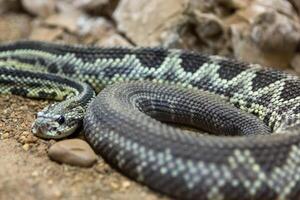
(61,120)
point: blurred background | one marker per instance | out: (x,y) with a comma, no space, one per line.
(260,31)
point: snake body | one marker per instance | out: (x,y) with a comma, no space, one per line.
(253,154)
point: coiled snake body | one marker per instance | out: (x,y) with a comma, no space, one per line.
(254,152)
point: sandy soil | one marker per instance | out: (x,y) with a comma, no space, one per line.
(27,173)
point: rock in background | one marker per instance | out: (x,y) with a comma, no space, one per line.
(259,31)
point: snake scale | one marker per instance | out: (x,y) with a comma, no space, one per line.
(251,111)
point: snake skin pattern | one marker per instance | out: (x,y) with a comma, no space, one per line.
(181,164)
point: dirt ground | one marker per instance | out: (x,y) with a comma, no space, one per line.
(27,173)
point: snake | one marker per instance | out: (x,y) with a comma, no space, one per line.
(250,147)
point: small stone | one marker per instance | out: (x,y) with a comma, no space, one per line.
(31,139)
(26,147)
(50,182)
(103,168)
(35,173)
(22,139)
(114,185)
(57,193)
(73,152)
(125,184)
(4,135)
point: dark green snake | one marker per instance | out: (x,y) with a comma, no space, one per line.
(251,111)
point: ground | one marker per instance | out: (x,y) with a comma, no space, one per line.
(26,172)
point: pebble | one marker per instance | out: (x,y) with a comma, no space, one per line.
(35,173)
(74,152)
(114,185)
(125,184)
(26,147)
(3,136)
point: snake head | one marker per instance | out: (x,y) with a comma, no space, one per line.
(58,121)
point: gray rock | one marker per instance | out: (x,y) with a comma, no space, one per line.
(151,23)
(73,152)
(39,7)
(265,32)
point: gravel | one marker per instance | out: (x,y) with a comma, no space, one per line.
(26,172)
